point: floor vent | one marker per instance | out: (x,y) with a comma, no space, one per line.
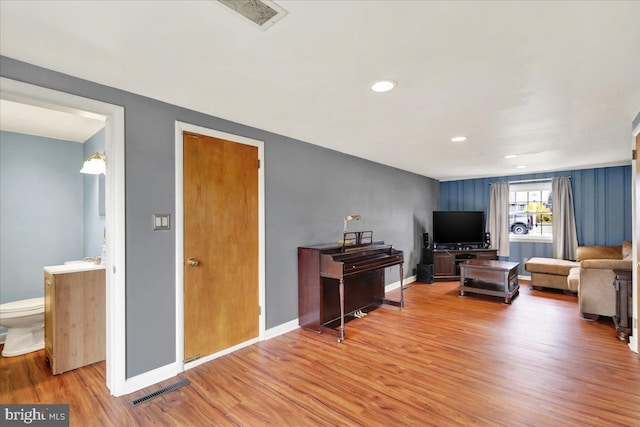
(163,390)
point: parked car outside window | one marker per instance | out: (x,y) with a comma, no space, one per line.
(520,223)
(530,211)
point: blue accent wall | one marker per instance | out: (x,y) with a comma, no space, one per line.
(602,202)
(40,210)
(93,201)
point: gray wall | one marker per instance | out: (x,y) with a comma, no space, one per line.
(40,210)
(308,191)
(93,201)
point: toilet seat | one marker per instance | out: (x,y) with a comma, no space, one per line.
(24,307)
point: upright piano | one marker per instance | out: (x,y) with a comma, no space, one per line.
(338,281)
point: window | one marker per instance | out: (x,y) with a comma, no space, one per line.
(530,211)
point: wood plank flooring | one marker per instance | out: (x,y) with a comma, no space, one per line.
(441,361)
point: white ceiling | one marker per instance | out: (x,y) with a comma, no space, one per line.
(555,82)
(39,121)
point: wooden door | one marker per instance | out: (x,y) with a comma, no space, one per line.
(221,291)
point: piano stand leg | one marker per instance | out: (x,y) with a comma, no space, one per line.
(401,287)
(341,337)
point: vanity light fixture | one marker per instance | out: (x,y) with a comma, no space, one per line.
(383,85)
(95,164)
(458,139)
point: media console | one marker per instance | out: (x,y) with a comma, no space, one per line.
(446,262)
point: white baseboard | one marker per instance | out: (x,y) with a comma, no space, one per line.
(281,329)
(396,285)
(165,372)
(293,324)
(220,354)
(168,371)
(633,343)
(149,378)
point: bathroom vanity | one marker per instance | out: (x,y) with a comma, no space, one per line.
(74,315)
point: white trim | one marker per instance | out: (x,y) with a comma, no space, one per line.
(396,284)
(281,329)
(150,378)
(529,239)
(181,127)
(276,331)
(168,371)
(113,115)
(634,343)
(542,184)
(224,352)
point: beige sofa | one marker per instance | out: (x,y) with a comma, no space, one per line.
(551,273)
(596,293)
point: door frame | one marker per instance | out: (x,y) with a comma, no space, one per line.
(634,341)
(181,127)
(113,115)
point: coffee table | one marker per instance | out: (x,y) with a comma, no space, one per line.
(489,277)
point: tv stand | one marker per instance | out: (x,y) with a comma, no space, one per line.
(446,262)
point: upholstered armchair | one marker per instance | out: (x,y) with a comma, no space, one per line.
(596,294)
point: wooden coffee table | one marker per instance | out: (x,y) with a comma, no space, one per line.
(489,277)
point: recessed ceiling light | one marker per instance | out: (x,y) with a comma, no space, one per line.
(510,156)
(458,139)
(521,166)
(383,85)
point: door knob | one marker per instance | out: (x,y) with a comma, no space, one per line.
(193,262)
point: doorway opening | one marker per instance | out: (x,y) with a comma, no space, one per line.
(113,117)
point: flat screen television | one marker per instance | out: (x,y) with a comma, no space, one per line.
(458,228)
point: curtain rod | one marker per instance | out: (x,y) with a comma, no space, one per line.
(523,181)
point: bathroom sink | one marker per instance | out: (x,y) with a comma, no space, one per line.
(73,267)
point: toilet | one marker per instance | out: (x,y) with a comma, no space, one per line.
(24,321)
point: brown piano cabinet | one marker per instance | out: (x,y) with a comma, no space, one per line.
(321,278)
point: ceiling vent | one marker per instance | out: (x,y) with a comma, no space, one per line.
(260,13)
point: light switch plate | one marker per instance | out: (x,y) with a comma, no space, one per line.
(161,221)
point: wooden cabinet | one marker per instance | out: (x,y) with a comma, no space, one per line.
(74,317)
(446,262)
(443,264)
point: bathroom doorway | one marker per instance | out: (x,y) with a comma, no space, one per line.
(113,118)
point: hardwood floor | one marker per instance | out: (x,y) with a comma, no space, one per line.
(441,361)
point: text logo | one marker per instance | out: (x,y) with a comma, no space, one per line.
(35,415)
